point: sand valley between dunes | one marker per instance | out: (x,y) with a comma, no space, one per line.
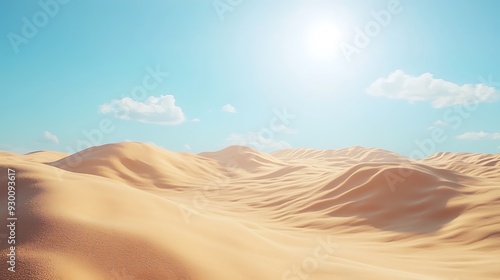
(136,211)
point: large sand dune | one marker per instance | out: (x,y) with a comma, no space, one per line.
(135,211)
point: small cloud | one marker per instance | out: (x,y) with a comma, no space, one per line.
(195,120)
(440,123)
(256,141)
(51,137)
(187,147)
(229,108)
(478,135)
(473,135)
(425,87)
(156,110)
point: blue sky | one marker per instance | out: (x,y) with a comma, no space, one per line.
(414,77)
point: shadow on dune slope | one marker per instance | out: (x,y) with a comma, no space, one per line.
(416,202)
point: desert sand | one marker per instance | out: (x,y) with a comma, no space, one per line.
(136,211)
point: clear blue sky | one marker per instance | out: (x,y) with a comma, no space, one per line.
(388,74)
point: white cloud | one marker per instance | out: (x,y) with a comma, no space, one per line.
(425,87)
(440,123)
(229,108)
(287,130)
(187,147)
(478,135)
(51,137)
(256,141)
(156,110)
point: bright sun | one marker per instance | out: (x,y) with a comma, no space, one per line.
(322,41)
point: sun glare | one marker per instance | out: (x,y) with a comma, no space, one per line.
(322,41)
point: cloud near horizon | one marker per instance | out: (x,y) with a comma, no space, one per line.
(229,108)
(155,110)
(50,137)
(425,87)
(254,140)
(479,135)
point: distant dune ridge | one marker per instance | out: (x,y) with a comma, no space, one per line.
(136,211)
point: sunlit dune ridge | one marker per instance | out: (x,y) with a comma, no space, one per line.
(136,211)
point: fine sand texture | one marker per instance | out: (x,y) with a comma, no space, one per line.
(134,211)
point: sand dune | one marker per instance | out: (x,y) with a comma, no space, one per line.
(135,211)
